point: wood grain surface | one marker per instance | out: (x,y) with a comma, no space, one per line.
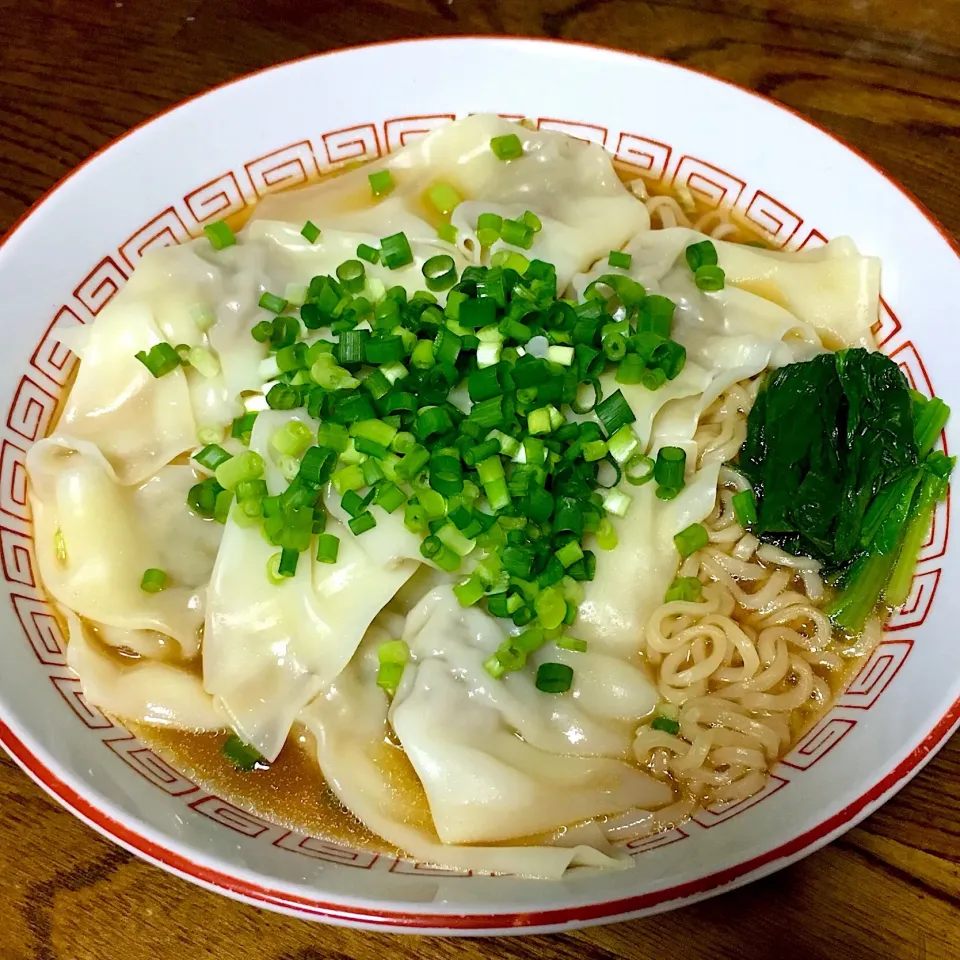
(884,74)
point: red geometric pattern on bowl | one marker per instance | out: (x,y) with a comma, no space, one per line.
(714,817)
(582,131)
(400,131)
(145,763)
(13,481)
(32,410)
(289,166)
(216,199)
(712,185)
(51,357)
(876,674)
(411,869)
(914,611)
(819,742)
(33,407)
(812,240)
(164,230)
(90,716)
(42,629)
(17,557)
(655,842)
(318,849)
(100,285)
(361,142)
(888,326)
(648,157)
(774,221)
(227,815)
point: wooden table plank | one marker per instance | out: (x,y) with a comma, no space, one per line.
(886,76)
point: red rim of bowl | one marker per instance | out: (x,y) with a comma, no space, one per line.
(713,883)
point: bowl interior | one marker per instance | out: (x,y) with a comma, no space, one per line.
(159,184)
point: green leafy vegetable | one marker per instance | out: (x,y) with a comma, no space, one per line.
(838,451)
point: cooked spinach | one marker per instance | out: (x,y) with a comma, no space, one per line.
(838,451)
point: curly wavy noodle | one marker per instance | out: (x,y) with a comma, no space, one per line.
(747,667)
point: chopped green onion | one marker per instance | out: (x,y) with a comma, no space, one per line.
(665,724)
(153,580)
(368,253)
(352,275)
(160,359)
(571,643)
(606,535)
(554,678)
(247,466)
(623,444)
(617,502)
(444,197)
(701,254)
(393,651)
(220,235)
(613,412)
(620,259)
(395,251)
(469,592)
(710,279)
(447,232)
(688,589)
(560,354)
(669,469)
(273,303)
(211,456)
(311,231)
(389,676)
(507,147)
(204,361)
(745,508)
(517,233)
(639,470)
(242,755)
(362,523)
(440,272)
(569,553)
(691,539)
(381,182)
(328,546)
(289,559)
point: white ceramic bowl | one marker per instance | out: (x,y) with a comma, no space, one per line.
(213,155)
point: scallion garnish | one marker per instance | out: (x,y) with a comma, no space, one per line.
(381,182)
(665,724)
(554,677)
(745,508)
(691,539)
(687,589)
(273,303)
(220,235)
(440,272)
(153,580)
(242,755)
(444,197)
(311,232)
(709,278)
(620,259)
(395,251)
(669,468)
(160,359)
(507,147)
(701,254)
(368,253)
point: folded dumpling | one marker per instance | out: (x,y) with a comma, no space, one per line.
(270,648)
(571,185)
(96,537)
(373,778)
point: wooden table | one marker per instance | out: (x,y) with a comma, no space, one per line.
(883,74)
